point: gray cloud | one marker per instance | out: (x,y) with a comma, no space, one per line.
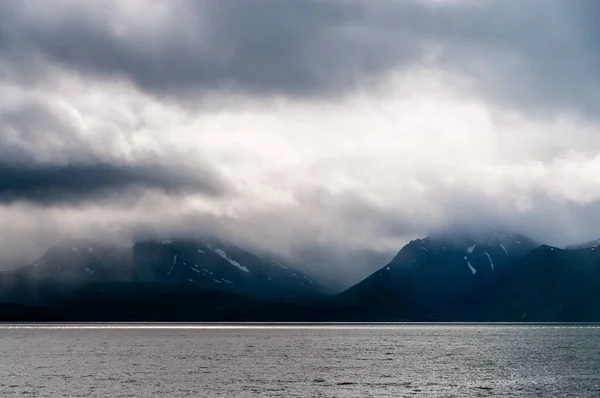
(346,237)
(50,184)
(46,160)
(343,237)
(539,54)
(34,131)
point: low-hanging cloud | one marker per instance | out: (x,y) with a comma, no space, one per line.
(74,184)
(48,160)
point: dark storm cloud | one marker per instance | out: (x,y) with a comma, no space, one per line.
(266,47)
(541,54)
(45,160)
(537,54)
(51,184)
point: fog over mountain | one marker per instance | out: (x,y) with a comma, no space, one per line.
(327,132)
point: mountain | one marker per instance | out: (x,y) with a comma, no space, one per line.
(496,277)
(429,279)
(487,277)
(75,267)
(549,284)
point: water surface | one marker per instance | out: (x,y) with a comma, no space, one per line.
(299,361)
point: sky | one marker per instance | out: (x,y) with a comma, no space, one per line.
(328,132)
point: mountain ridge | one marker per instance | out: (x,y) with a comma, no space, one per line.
(494,276)
(190,263)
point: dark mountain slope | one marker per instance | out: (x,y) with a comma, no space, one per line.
(435,275)
(70,269)
(550,284)
(492,277)
(427,281)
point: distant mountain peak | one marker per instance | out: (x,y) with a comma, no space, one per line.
(199,264)
(474,243)
(585,245)
(440,268)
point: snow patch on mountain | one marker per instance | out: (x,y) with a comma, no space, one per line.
(173,265)
(224,255)
(490,258)
(281,265)
(470,249)
(504,248)
(473,270)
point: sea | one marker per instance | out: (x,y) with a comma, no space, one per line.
(301,360)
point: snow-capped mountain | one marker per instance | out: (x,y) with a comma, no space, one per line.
(203,264)
(489,277)
(430,274)
(446,277)
(480,255)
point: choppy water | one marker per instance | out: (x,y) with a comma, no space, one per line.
(394,361)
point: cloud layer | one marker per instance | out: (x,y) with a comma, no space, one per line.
(329,132)
(538,53)
(72,184)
